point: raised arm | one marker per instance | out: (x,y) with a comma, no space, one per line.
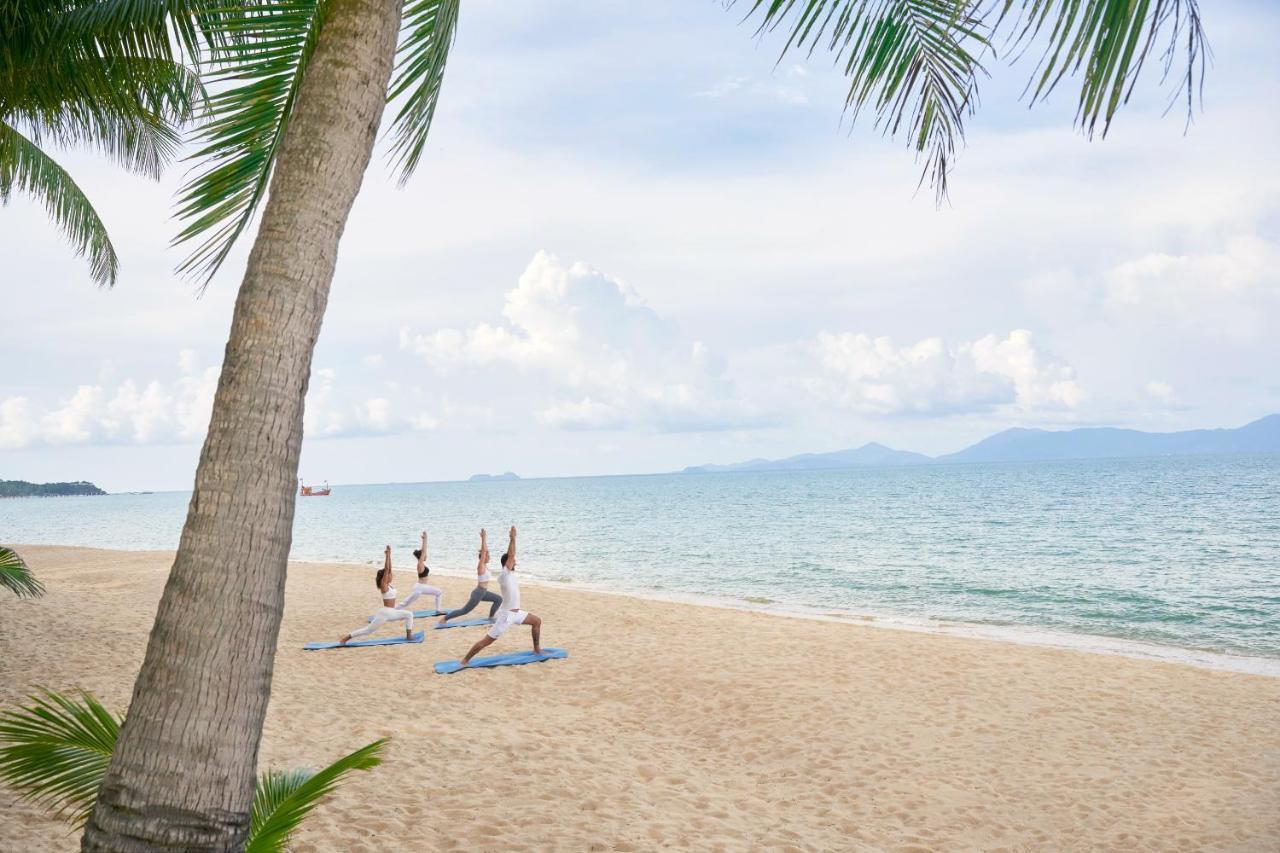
(484,553)
(511,549)
(422,554)
(386,570)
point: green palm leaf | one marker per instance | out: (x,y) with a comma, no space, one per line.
(72,54)
(91,73)
(130,108)
(283,799)
(147,28)
(261,52)
(16,577)
(914,62)
(430,27)
(23,166)
(1109,41)
(55,751)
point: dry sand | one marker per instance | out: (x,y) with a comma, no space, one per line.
(683,727)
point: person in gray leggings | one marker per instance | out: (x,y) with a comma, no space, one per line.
(481,592)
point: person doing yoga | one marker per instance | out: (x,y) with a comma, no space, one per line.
(481,592)
(422,587)
(388,611)
(510,613)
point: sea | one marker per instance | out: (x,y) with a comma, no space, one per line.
(1175,558)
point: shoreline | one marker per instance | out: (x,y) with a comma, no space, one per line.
(719,728)
(1016,634)
(1021,635)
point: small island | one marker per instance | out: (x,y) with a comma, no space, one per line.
(23,489)
(485,478)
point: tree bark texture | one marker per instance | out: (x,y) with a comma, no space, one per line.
(183,773)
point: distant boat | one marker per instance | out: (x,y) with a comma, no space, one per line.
(308,492)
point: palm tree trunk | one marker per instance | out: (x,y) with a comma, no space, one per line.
(182,775)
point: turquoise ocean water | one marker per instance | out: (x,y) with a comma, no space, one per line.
(1180,552)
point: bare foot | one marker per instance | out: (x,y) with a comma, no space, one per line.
(464,663)
(442,622)
(343,641)
(537,651)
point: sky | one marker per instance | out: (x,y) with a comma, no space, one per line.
(639,242)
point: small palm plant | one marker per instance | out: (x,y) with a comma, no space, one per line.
(16,577)
(54,752)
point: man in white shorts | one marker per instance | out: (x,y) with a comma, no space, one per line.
(510,613)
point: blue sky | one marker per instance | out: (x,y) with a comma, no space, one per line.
(639,243)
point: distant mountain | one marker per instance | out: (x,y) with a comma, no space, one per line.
(867,454)
(23,489)
(485,478)
(1028,445)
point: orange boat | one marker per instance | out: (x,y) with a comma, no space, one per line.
(308,492)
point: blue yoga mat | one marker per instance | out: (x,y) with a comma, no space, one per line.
(418,637)
(420,614)
(465,623)
(445,667)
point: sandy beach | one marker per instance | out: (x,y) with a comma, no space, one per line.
(683,727)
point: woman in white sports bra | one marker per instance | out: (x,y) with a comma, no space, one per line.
(388,611)
(481,592)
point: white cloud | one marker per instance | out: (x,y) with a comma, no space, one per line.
(1039,380)
(17,423)
(611,361)
(128,413)
(178,412)
(320,418)
(875,376)
(375,414)
(1160,391)
(1223,293)
(424,422)
(748,86)
(725,87)
(74,420)
(329,415)
(194,401)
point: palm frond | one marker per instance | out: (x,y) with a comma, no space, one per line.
(284,798)
(55,751)
(430,27)
(915,62)
(151,28)
(16,577)
(1109,41)
(80,75)
(25,167)
(91,73)
(266,48)
(130,108)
